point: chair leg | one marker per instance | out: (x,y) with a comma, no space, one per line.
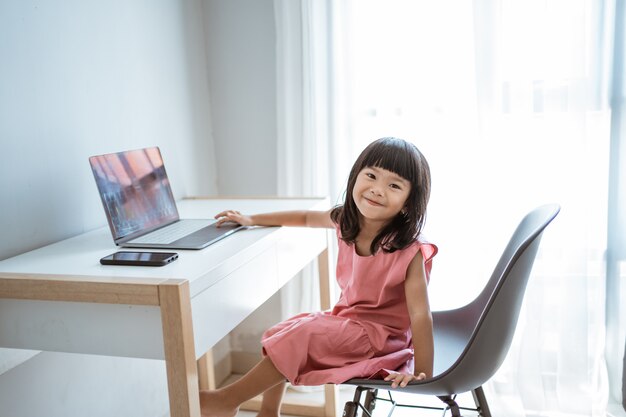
(370,400)
(481,402)
(352,407)
(452,405)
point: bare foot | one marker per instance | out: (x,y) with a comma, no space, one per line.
(214,404)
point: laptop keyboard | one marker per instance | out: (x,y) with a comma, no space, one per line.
(173,232)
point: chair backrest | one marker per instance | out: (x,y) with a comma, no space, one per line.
(482,330)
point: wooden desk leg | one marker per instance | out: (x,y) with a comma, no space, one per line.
(326,287)
(206,371)
(180,358)
(332,407)
(331,392)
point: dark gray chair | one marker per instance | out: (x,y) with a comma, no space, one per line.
(471,342)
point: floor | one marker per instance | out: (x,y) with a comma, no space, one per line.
(383,407)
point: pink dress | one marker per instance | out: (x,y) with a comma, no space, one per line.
(368,330)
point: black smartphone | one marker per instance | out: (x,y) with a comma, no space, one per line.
(139,258)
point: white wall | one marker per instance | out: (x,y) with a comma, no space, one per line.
(79,78)
(241,45)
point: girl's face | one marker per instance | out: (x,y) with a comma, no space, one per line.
(380,194)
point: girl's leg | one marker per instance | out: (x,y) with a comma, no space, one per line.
(225,402)
(272,399)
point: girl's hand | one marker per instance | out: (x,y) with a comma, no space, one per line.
(233,216)
(403,379)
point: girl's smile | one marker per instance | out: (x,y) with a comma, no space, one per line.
(380,194)
(372,202)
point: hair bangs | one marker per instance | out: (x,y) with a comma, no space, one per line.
(397,159)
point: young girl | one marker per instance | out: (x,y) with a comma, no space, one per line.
(381,326)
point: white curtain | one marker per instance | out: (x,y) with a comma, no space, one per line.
(508,101)
(311,100)
(305,122)
(616,250)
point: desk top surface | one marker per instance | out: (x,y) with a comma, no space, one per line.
(79,257)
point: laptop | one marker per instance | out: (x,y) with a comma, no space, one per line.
(140,206)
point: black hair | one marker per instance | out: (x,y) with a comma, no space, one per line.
(403,159)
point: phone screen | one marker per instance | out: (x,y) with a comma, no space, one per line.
(141,256)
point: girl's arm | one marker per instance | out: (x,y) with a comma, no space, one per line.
(306,218)
(415,287)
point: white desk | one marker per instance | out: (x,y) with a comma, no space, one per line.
(59,298)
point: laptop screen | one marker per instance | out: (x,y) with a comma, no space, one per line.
(135,191)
